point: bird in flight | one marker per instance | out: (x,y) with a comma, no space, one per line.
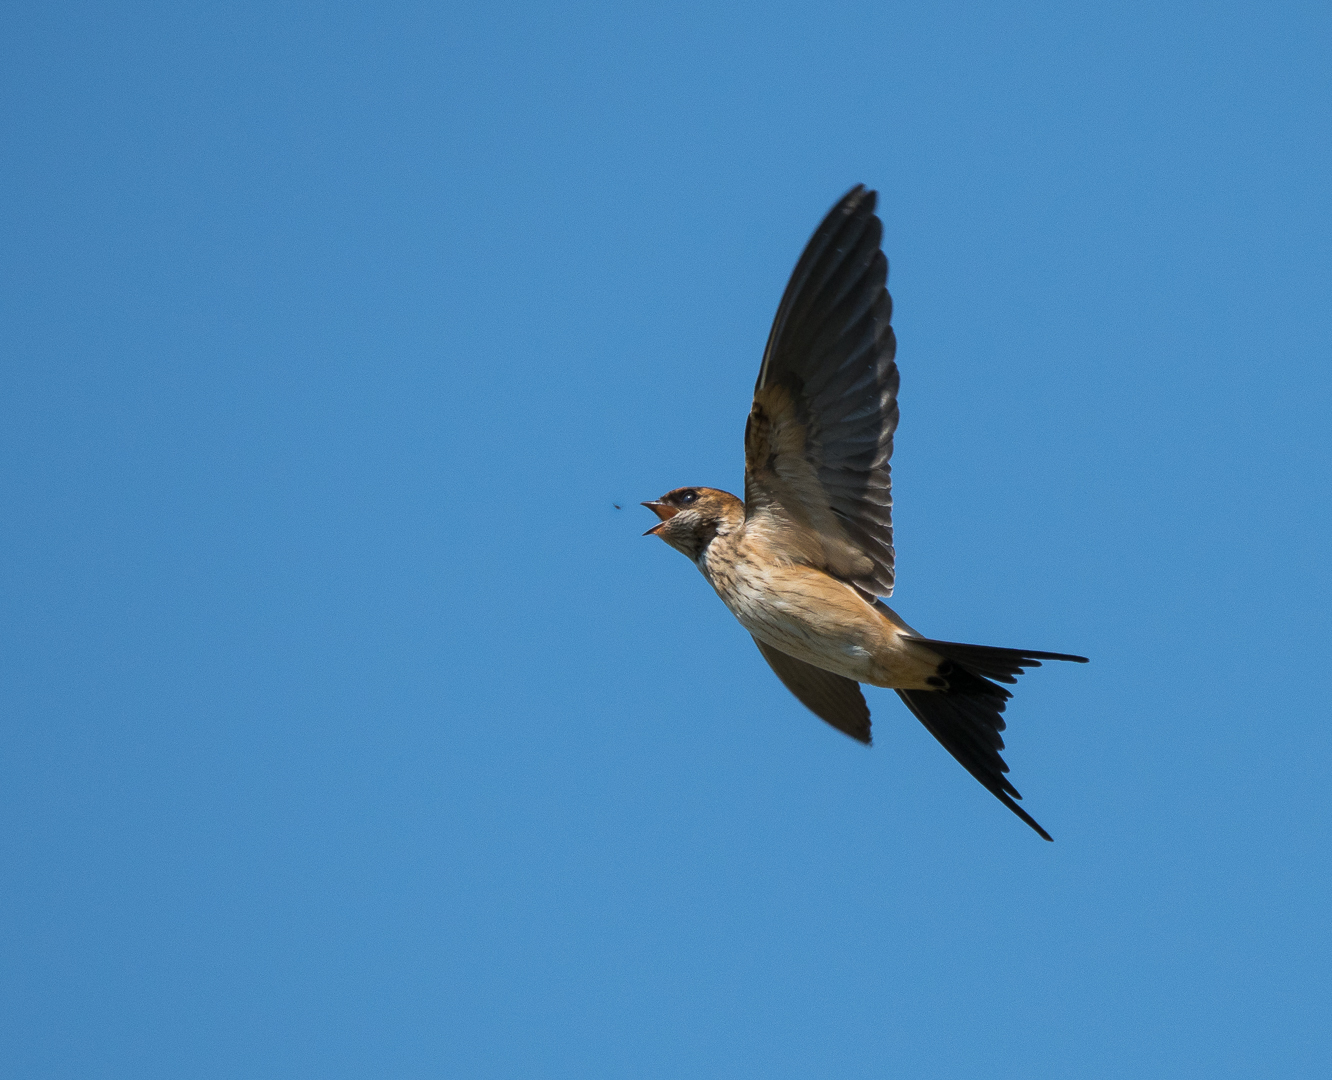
(805,561)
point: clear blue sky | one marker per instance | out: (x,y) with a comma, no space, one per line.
(350,731)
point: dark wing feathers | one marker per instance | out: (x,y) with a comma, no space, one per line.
(842,247)
(825,405)
(830,697)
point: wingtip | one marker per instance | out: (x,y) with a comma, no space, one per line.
(859,197)
(865,738)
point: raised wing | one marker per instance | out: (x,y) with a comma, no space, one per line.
(833,698)
(825,405)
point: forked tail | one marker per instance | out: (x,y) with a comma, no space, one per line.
(964,712)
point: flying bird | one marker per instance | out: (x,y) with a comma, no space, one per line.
(806,560)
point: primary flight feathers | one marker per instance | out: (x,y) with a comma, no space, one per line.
(820,432)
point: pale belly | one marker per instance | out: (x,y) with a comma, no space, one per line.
(815,618)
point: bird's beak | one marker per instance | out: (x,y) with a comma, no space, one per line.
(663,511)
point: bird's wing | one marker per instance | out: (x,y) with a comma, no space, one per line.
(825,405)
(830,697)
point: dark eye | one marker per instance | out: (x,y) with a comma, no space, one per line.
(687,497)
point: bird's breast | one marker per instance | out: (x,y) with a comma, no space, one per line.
(805,613)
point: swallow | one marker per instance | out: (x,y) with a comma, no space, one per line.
(805,561)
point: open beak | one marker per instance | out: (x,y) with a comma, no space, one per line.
(662,511)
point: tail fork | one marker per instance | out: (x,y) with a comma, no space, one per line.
(964,712)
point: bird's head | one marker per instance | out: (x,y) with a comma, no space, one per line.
(692,516)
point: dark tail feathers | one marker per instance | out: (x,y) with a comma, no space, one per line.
(1003,665)
(964,713)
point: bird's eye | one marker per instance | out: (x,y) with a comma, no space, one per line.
(687,497)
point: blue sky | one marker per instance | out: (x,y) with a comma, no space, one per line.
(350,730)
